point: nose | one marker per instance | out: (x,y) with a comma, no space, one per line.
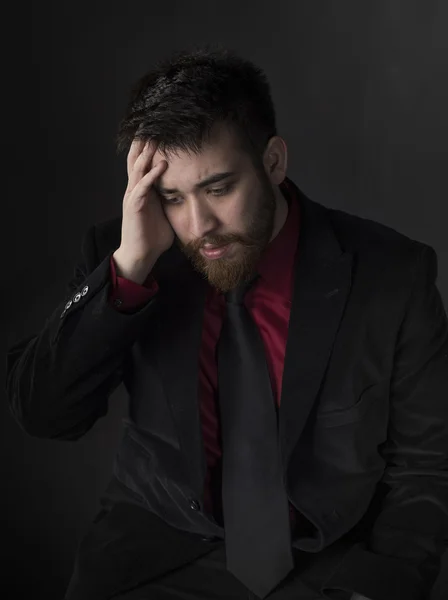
(203,224)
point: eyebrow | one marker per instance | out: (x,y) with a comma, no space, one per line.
(204,183)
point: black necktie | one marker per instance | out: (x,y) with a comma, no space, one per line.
(255,503)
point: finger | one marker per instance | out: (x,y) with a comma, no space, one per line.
(143,163)
(147,180)
(134,152)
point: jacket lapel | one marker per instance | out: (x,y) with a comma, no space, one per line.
(322,281)
(321,285)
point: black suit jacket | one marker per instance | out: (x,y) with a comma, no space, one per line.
(363,415)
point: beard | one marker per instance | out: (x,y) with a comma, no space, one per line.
(239,264)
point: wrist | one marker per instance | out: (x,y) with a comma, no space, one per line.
(136,270)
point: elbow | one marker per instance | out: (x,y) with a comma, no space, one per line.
(46,429)
(51,427)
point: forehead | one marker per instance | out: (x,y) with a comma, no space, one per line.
(222,152)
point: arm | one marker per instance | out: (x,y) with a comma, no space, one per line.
(59,379)
(129,296)
(401,555)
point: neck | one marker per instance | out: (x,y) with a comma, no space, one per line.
(281,212)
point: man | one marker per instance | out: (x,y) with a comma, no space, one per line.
(312,327)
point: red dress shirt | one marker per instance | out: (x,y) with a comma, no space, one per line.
(269,304)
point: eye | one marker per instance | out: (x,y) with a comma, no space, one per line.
(215,191)
(221,191)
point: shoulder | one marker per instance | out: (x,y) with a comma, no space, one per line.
(375,243)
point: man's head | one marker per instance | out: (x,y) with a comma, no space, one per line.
(211,112)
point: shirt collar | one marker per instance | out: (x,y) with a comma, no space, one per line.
(276,266)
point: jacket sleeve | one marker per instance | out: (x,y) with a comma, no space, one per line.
(128,296)
(400,558)
(58,380)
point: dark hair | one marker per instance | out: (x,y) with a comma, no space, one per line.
(181,99)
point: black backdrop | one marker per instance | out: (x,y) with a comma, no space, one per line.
(361,90)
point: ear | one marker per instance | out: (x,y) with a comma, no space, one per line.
(275,160)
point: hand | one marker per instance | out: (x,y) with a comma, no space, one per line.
(145,231)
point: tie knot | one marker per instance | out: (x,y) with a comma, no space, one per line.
(236,296)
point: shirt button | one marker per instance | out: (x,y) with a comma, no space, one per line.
(194,504)
(118,302)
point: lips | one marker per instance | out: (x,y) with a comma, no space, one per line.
(216,252)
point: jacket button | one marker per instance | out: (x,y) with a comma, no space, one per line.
(209,538)
(194,504)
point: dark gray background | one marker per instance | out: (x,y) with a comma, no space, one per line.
(361,91)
